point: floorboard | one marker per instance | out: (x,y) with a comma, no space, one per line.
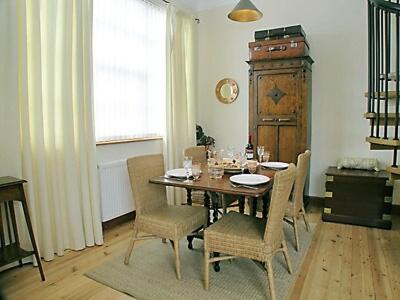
(343,262)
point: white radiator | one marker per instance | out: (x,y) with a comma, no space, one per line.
(115,190)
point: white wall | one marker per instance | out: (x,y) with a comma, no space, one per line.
(112,152)
(337,33)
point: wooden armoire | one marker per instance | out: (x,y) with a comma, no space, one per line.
(280,106)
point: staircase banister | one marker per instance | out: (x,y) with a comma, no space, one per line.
(386,6)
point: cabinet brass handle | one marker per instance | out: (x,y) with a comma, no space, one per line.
(268,119)
(283,119)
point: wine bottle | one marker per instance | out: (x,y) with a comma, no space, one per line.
(249,149)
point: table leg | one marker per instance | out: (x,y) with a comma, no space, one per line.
(254,206)
(30,230)
(214,200)
(241,204)
(14,225)
(189,202)
(216,266)
(2,238)
(189,196)
(265,205)
(207,205)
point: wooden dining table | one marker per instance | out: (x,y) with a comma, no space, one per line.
(222,186)
(213,187)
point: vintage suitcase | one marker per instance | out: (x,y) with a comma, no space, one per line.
(279,33)
(280,48)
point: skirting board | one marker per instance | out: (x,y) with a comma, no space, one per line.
(119,220)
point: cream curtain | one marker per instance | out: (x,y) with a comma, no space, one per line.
(180,106)
(56,123)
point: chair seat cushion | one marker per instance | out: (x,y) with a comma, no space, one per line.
(237,234)
(172,221)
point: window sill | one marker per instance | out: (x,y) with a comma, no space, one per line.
(129,141)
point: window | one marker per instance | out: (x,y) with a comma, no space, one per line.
(128,69)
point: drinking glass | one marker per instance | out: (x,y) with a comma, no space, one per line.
(260,153)
(216,171)
(187,165)
(196,170)
(252,165)
(218,155)
(266,156)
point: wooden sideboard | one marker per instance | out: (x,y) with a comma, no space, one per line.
(280,106)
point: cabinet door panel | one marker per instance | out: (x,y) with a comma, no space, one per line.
(287,143)
(277,93)
(268,137)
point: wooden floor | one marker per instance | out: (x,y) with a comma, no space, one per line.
(343,262)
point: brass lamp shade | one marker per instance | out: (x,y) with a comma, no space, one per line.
(245,11)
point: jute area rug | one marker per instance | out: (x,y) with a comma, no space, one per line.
(151,272)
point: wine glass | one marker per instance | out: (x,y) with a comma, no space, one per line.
(260,153)
(230,151)
(242,160)
(187,165)
(196,170)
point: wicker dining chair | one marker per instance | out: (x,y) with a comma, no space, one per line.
(238,235)
(154,217)
(198,154)
(295,207)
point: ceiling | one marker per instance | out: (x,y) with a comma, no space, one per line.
(199,5)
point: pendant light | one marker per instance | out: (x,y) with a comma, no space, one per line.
(245,11)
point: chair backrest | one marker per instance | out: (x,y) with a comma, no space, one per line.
(147,196)
(283,184)
(198,154)
(303,164)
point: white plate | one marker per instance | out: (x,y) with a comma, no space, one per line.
(179,173)
(275,165)
(249,179)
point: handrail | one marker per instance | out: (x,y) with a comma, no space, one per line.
(386,6)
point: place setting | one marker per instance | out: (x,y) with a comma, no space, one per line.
(241,170)
(263,157)
(189,173)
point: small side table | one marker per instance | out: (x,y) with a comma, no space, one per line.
(12,189)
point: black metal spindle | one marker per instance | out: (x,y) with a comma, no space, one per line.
(396,78)
(377,70)
(397,75)
(369,59)
(387,71)
(372,64)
